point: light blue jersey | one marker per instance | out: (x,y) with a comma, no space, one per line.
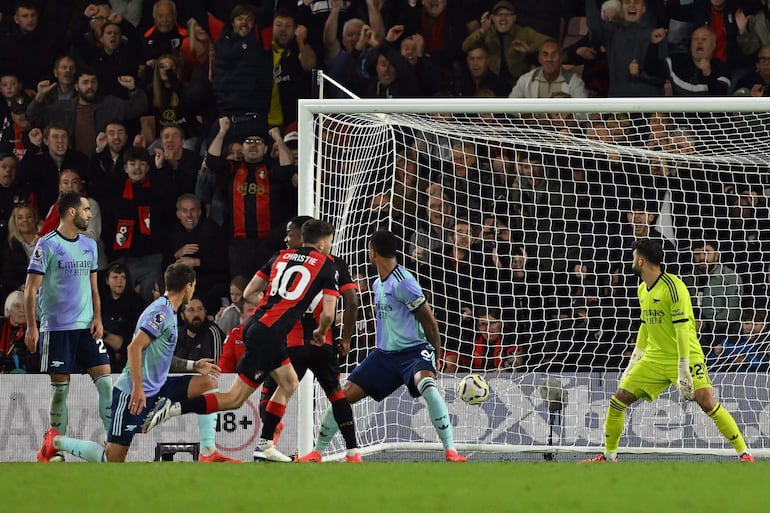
(159,322)
(64,300)
(396,299)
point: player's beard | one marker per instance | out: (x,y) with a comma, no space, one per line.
(80,223)
(636,270)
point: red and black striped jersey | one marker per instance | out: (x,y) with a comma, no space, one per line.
(255,195)
(302,332)
(297,282)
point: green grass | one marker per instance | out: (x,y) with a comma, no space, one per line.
(649,487)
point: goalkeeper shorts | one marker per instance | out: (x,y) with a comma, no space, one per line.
(647,380)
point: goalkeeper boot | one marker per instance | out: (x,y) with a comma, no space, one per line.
(451,455)
(312,457)
(47,450)
(747,458)
(599,459)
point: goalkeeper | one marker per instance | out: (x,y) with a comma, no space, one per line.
(667,352)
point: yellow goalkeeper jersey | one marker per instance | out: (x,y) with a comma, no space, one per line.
(663,306)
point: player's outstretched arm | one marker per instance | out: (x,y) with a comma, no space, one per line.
(349,316)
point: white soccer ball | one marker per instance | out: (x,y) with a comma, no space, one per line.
(473,389)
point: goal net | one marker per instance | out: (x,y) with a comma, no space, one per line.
(518,218)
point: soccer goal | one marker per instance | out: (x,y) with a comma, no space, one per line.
(518,217)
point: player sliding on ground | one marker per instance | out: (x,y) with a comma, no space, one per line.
(145,379)
(667,352)
(298,278)
(408,345)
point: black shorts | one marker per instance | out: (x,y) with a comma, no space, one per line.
(321,360)
(265,351)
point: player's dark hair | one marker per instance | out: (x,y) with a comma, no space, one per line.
(650,250)
(66,201)
(133,153)
(177,276)
(315,230)
(299,221)
(384,243)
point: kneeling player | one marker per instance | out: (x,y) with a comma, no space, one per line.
(145,379)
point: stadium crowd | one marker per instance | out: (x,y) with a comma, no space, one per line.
(178,121)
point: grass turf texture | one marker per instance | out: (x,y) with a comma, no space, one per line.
(649,487)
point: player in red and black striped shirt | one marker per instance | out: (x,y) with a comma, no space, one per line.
(305,354)
(298,279)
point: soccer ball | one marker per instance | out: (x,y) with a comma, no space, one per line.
(473,389)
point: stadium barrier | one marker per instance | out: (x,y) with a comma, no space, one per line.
(515,418)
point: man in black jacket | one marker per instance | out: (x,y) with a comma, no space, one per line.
(199,243)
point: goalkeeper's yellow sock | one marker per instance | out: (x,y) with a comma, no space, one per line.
(613,427)
(726,425)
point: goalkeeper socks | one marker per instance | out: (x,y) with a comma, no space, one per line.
(58,412)
(726,425)
(83,449)
(343,416)
(327,431)
(439,415)
(207,424)
(104,389)
(613,427)
(274,412)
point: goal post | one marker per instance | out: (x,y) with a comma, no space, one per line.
(517,217)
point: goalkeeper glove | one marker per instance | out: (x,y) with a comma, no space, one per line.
(635,357)
(684,383)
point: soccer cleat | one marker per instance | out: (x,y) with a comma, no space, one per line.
(216,457)
(47,450)
(277,433)
(313,457)
(356,458)
(598,459)
(268,452)
(747,458)
(160,413)
(57,458)
(451,455)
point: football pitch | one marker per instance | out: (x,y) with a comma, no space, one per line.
(554,487)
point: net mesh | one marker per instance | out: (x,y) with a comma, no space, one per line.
(520,227)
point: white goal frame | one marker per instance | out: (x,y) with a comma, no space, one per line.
(309,190)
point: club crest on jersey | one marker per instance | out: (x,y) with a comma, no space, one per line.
(261,174)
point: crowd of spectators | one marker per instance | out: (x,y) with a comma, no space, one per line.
(178,121)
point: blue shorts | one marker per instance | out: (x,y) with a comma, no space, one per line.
(70,352)
(124,425)
(382,372)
